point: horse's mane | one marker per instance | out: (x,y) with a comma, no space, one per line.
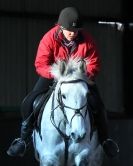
(74,68)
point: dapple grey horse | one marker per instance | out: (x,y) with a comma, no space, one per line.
(65,135)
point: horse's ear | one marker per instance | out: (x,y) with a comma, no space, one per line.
(58,69)
(82,66)
(62,67)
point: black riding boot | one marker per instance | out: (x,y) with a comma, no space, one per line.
(110,147)
(19,145)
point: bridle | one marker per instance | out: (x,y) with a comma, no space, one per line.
(62,107)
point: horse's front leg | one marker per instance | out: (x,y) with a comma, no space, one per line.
(82,159)
(52,156)
(49,160)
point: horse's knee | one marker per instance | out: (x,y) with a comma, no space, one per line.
(49,160)
(82,159)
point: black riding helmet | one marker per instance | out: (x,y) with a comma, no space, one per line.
(70,19)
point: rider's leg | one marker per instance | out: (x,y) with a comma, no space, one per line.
(19,145)
(100,118)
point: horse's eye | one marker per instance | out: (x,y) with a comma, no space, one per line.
(63,96)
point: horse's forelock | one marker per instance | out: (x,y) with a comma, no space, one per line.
(74,68)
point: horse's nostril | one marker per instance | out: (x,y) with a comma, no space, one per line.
(76,137)
(73,135)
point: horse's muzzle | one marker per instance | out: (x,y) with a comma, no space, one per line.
(77,138)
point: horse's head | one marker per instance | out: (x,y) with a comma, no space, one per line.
(72,90)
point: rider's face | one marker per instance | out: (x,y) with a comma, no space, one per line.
(69,35)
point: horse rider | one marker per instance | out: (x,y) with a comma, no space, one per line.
(67,38)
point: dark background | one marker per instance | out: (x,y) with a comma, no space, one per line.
(22,25)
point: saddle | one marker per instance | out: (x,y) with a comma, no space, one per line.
(39,104)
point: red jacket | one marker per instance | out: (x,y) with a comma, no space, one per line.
(51,49)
